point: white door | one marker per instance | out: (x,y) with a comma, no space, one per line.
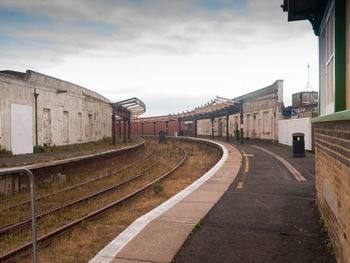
(21,129)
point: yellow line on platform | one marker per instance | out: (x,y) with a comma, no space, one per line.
(246,162)
(240,185)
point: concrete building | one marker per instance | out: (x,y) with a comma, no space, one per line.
(261,111)
(331,23)
(36,109)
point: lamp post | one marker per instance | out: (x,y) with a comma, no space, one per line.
(36,95)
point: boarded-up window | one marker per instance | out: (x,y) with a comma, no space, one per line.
(80,125)
(47,126)
(266,121)
(65,126)
(248,125)
(90,127)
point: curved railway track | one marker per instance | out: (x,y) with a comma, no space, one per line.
(69,188)
(22,223)
(13,254)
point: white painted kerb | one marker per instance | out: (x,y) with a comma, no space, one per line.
(108,253)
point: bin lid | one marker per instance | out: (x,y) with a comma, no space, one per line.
(298,134)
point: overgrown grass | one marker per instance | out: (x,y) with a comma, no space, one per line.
(105,142)
(5,153)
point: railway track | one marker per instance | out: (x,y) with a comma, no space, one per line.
(69,188)
(24,222)
(13,254)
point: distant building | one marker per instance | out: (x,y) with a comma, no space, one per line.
(304,105)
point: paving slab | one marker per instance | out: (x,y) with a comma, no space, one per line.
(187,212)
(158,242)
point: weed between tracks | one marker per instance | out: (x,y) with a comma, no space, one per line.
(83,243)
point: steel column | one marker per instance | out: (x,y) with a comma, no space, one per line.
(241,117)
(129,128)
(212,127)
(113,128)
(124,135)
(227,135)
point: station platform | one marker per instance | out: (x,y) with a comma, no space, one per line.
(37,160)
(256,205)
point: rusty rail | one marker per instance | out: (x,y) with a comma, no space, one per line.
(15,226)
(80,184)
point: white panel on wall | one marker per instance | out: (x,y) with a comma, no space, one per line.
(0,128)
(287,127)
(21,129)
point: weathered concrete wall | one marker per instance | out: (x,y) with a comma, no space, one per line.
(67,113)
(287,127)
(332,155)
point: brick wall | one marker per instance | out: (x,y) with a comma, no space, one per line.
(148,127)
(332,155)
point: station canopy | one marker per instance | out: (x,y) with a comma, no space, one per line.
(129,108)
(215,108)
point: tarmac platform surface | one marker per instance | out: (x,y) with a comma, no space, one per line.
(266,215)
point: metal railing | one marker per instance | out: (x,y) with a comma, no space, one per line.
(32,199)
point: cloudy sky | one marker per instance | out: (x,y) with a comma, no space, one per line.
(174,55)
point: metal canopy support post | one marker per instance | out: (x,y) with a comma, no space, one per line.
(154,128)
(32,200)
(212,127)
(113,128)
(241,117)
(227,135)
(141,128)
(124,135)
(129,128)
(166,128)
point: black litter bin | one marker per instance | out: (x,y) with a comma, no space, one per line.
(298,145)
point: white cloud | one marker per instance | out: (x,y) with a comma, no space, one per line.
(164,49)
